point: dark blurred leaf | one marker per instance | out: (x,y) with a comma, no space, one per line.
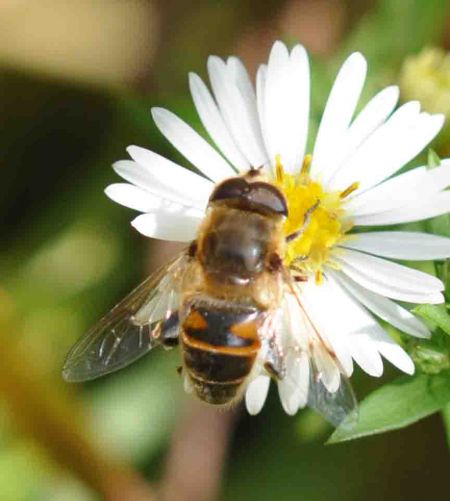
(50,131)
(397,405)
(446,419)
(435,313)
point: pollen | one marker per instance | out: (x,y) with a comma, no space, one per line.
(314,226)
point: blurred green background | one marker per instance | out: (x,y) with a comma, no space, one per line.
(77,82)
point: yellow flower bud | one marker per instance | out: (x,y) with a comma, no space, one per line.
(426,77)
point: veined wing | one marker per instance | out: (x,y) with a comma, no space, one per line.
(132,328)
(335,406)
(313,368)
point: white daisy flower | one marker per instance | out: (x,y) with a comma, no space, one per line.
(352,171)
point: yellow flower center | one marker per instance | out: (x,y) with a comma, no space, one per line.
(314,225)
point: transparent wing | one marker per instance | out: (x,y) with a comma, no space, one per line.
(335,406)
(312,366)
(131,328)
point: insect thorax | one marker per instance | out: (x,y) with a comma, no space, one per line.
(234,245)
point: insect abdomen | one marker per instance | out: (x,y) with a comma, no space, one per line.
(220,346)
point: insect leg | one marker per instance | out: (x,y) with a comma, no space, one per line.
(274,360)
(274,363)
(307,219)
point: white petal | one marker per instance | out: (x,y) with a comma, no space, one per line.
(369,119)
(293,388)
(365,353)
(393,273)
(393,352)
(337,316)
(435,206)
(261,78)
(238,110)
(437,179)
(372,116)
(347,320)
(242,79)
(333,326)
(240,76)
(191,145)
(274,94)
(338,113)
(214,124)
(148,180)
(295,332)
(286,105)
(174,222)
(299,111)
(401,245)
(388,280)
(300,366)
(384,308)
(327,369)
(390,194)
(366,338)
(390,147)
(256,394)
(191,186)
(133,197)
(384,142)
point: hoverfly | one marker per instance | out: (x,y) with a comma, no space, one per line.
(223,301)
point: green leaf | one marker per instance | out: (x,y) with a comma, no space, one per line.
(397,405)
(433,159)
(436,314)
(395,28)
(439,225)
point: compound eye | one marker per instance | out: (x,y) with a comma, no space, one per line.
(267,197)
(257,197)
(234,188)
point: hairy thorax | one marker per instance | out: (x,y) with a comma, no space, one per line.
(237,251)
